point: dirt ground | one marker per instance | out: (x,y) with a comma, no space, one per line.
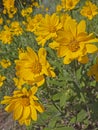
(7,122)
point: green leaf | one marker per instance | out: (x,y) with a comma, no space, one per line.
(63,100)
(78,73)
(94,109)
(81,115)
(53,122)
(56,96)
(73,120)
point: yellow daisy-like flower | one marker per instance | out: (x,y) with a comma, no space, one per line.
(19,82)
(32,23)
(5,63)
(36,4)
(89,10)
(73,42)
(26,12)
(9,8)
(93,71)
(58,8)
(32,67)
(2,78)
(47,28)
(69,4)
(6,35)
(24,105)
(16,29)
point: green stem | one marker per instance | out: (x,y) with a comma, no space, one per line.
(49,95)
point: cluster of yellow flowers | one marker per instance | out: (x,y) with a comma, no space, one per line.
(65,35)
(89,10)
(8,32)
(9,8)
(67,5)
(31,70)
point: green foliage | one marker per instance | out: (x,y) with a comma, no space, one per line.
(71,98)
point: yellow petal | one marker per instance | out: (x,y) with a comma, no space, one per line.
(27,122)
(10,107)
(32,53)
(67,60)
(62,51)
(33,113)
(81,27)
(26,112)
(42,52)
(41,81)
(54,45)
(39,107)
(91,48)
(17,111)
(34,90)
(84,60)
(42,56)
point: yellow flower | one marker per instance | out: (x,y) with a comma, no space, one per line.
(93,71)
(5,63)
(36,4)
(32,67)
(24,105)
(69,4)
(1,21)
(73,42)
(32,23)
(47,28)
(9,8)
(26,12)
(58,8)
(2,78)
(89,10)
(16,29)
(6,35)
(63,18)
(19,82)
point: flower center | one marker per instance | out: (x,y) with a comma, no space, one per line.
(73,46)
(52,29)
(70,4)
(89,12)
(36,67)
(25,101)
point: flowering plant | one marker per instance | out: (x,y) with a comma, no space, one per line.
(49,64)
